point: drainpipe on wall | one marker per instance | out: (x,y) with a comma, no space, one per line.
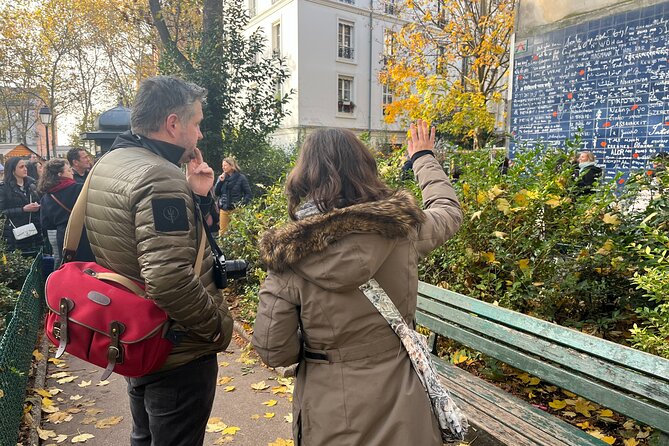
(369,95)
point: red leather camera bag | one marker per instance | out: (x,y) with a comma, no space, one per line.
(99,316)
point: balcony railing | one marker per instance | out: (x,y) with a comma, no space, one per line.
(345,52)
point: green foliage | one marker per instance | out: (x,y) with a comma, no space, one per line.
(241,241)
(652,247)
(529,242)
(244,103)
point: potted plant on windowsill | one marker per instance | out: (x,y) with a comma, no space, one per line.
(346,107)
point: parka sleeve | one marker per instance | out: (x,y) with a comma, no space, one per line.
(6,204)
(218,187)
(275,334)
(442,207)
(166,257)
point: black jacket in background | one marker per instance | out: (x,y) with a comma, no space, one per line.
(233,190)
(12,200)
(586,179)
(55,217)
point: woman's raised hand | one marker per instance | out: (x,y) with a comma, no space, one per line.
(422,137)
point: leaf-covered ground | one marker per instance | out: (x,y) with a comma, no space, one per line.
(252,406)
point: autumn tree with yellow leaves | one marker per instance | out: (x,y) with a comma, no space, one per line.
(448,65)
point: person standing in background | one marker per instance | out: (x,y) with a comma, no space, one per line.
(588,173)
(19,202)
(59,193)
(80,162)
(232,188)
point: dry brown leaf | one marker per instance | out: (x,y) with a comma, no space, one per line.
(106,423)
(259,386)
(89,420)
(45,434)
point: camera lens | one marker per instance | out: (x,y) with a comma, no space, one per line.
(236,268)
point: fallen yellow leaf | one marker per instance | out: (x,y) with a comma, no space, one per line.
(630,442)
(224,380)
(281,442)
(60,438)
(83,438)
(288,418)
(270,403)
(45,434)
(38,356)
(103,383)
(255,416)
(84,383)
(230,430)
(259,386)
(67,379)
(75,397)
(606,413)
(557,404)
(42,392)
(59,375)
(223,364)
(229,388)
(215,425)
(269,415)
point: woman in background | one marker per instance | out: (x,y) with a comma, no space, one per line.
(355,383)
(19,202)
(60,192)
(232,188)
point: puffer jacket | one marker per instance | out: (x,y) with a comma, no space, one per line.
(363,389)
(12,200)
(131,233)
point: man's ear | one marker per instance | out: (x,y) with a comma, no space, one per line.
(171,123)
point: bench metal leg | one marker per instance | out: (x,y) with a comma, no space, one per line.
(432,343)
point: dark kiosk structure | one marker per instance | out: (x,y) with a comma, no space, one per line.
(109,125)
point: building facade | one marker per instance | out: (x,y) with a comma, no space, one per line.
(334,50)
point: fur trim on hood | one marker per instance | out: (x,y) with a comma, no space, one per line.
(392,218)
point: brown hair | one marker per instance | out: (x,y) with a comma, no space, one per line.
(50,176)
(334,169)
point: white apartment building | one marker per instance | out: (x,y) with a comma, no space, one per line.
(334,50)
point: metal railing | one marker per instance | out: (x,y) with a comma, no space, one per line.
(16,347)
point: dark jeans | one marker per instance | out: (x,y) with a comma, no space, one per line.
(171,408)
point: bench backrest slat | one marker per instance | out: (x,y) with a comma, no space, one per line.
(609,351)
(631,381)
(594,391)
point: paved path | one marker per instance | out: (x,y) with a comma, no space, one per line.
(241,415)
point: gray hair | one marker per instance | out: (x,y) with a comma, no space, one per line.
(160,96)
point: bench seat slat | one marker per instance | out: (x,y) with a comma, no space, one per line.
(635,408)
(609,351)
(613,374)
(505,416)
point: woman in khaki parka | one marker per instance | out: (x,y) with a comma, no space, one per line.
(355,383)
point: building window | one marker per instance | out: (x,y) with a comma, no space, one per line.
(345,41)
(389,45)
(387,97)
(276,39)
(252,8)
(390,7)
(345,94)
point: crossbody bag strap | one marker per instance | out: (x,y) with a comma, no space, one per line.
(75,226)
(60,203)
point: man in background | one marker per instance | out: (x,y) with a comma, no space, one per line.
(80,163)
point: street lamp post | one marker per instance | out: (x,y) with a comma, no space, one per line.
(45,116)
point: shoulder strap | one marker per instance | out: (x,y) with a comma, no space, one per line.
(60,203)
(76,224)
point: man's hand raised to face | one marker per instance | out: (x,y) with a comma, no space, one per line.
(199,175)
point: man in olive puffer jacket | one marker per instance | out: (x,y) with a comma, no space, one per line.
(143,221)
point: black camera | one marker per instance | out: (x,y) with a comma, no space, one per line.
(228,269)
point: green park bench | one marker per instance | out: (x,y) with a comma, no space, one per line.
(619,378)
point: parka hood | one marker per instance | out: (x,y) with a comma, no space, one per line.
(391,218)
